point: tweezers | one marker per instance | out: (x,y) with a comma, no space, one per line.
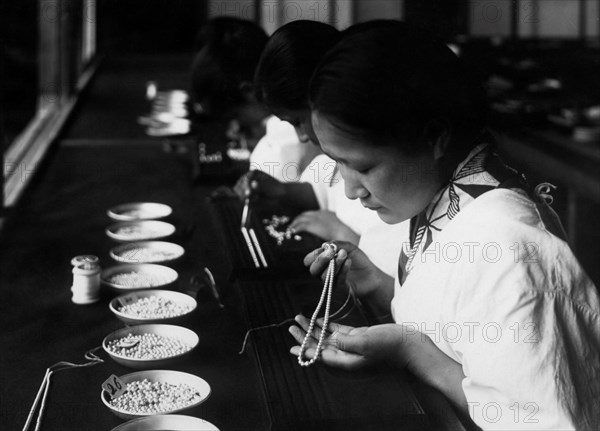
(250,236)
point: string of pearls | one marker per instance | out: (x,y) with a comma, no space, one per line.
(325,296)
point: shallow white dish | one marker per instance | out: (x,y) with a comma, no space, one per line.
(147,252)
(129,298)
(158,275)
(185,335)
(173,377)
(167,422)
(139,211)
(140,230)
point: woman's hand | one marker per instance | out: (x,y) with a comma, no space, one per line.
(356,271)
(333,352)
(354,348)
(397,345)
(323,224)
(347,347)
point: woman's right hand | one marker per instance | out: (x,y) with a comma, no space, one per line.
(355,269)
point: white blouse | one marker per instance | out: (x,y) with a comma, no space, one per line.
(501,295)
(280,153)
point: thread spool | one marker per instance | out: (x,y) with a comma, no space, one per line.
(86,279)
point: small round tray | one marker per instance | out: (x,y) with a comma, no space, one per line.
(172,377)
(147,252)
(185,335)
(167,422)
(139,211)
(130,298)
(163,276)
(140,230)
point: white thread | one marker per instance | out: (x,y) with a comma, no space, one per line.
(45,386)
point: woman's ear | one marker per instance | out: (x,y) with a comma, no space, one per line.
(437,133)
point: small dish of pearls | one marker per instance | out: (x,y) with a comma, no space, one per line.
(140,230)
(154,392)
(152,306)
(150,346)
(147,252)
(167,422)
(138,276)
(139,211)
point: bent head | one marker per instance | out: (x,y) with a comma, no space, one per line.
(284,70)
(223,74)
(393,107)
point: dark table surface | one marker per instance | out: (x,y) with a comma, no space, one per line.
(63,215)
(104,159)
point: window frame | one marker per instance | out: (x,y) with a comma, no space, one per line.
(64,69)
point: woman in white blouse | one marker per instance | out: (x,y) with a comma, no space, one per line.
(490,304)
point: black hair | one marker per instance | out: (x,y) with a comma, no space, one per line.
(390,82)
(369,25)
(289,60)
(231,48)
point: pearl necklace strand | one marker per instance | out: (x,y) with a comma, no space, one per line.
(327,290)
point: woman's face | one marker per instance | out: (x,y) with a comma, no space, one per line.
(301,120)
(247,123)
(385,180)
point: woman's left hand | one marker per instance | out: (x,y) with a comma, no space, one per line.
(398,345)
(347,347)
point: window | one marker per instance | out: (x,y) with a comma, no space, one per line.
(48,52)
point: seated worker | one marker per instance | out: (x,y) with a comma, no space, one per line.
(222,87)
(491,306)
(282,77)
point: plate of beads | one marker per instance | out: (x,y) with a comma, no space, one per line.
(150,346)
(139,211)
(134,276)
(154,392)
(167,422)
(147,252)
(140,230)
(152,306)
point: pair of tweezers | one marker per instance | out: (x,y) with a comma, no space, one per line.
(250,236)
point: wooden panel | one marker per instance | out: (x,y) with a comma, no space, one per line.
(490,18)
(244,9)
(528,18)
(559,18)
(592,16)
(365,10)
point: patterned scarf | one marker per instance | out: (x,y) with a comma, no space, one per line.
(479,173)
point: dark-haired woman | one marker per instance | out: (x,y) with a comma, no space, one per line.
(222,73)
(490,304)
(222,88)
(282,79)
